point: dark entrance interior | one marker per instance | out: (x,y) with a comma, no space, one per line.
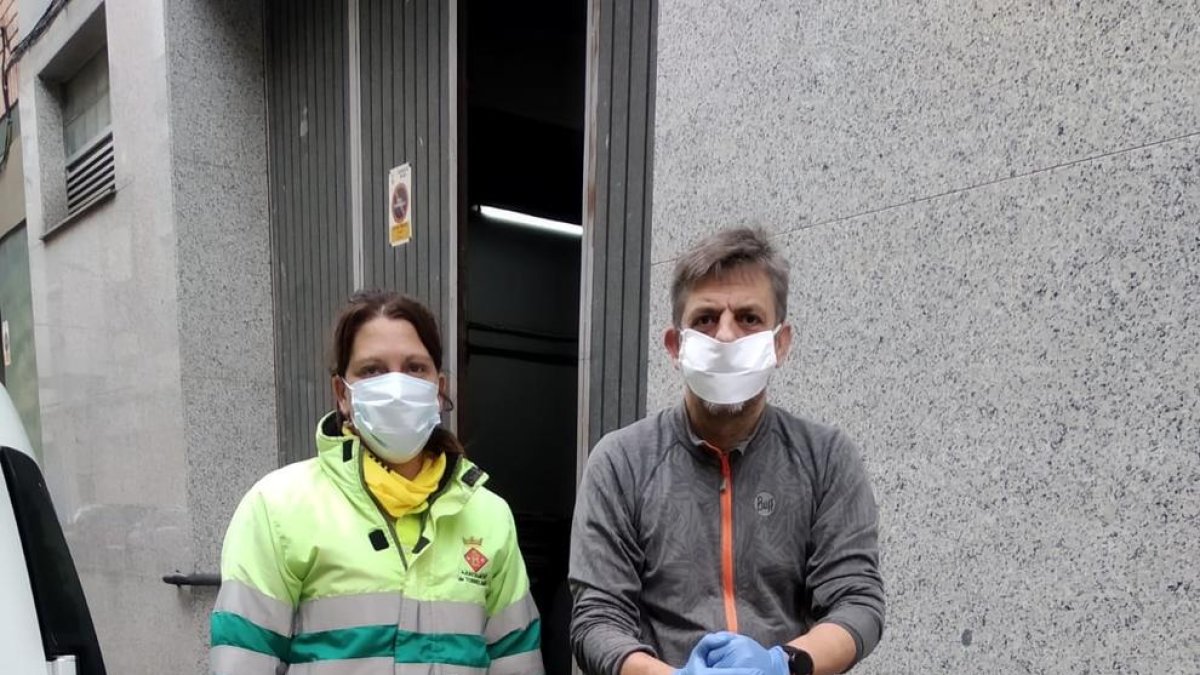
(521,147)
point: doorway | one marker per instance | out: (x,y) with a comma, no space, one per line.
(521,154)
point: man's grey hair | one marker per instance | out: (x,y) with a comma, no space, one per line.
(725,251)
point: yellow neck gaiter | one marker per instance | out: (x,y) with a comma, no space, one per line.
(399,495)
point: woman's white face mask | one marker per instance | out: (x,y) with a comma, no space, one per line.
(394,414)
(727,373)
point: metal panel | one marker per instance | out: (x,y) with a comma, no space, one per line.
(622,43)
(16,307)
(406,118)
(307,99)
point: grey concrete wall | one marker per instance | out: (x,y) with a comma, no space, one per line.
(153,317)
(992,213)
(107,340)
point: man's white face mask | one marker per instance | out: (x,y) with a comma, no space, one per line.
(727,373)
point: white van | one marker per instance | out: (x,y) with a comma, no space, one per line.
(45,625)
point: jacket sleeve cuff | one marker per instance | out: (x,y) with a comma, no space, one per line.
(864,625)
(628,651)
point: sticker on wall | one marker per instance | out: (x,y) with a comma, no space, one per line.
(400,205)
(4,341)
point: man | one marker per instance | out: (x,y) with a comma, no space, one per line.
(725,513)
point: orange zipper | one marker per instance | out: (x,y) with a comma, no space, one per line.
(727,543)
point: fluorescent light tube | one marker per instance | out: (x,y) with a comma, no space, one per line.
(526,220)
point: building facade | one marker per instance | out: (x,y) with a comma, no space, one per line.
(990,210)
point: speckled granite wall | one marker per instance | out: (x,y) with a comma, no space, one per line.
(223,272)
(993,216)
(226,334)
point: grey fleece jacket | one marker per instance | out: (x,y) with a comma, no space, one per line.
(646,567)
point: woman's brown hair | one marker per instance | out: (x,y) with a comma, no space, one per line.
(372,304)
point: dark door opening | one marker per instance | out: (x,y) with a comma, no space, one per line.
(521,145)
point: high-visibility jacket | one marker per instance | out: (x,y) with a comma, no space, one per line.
(316,580)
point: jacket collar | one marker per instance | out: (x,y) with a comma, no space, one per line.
(686,435)
(340,455)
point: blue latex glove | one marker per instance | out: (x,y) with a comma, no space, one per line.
(740,651)
(698,663)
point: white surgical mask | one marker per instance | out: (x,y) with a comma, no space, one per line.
(394,414)
(727,373)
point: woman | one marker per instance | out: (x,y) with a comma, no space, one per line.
(385,553)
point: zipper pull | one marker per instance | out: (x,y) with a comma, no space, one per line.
(726,470)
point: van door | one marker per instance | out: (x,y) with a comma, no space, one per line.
(48,607)
(20,639)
